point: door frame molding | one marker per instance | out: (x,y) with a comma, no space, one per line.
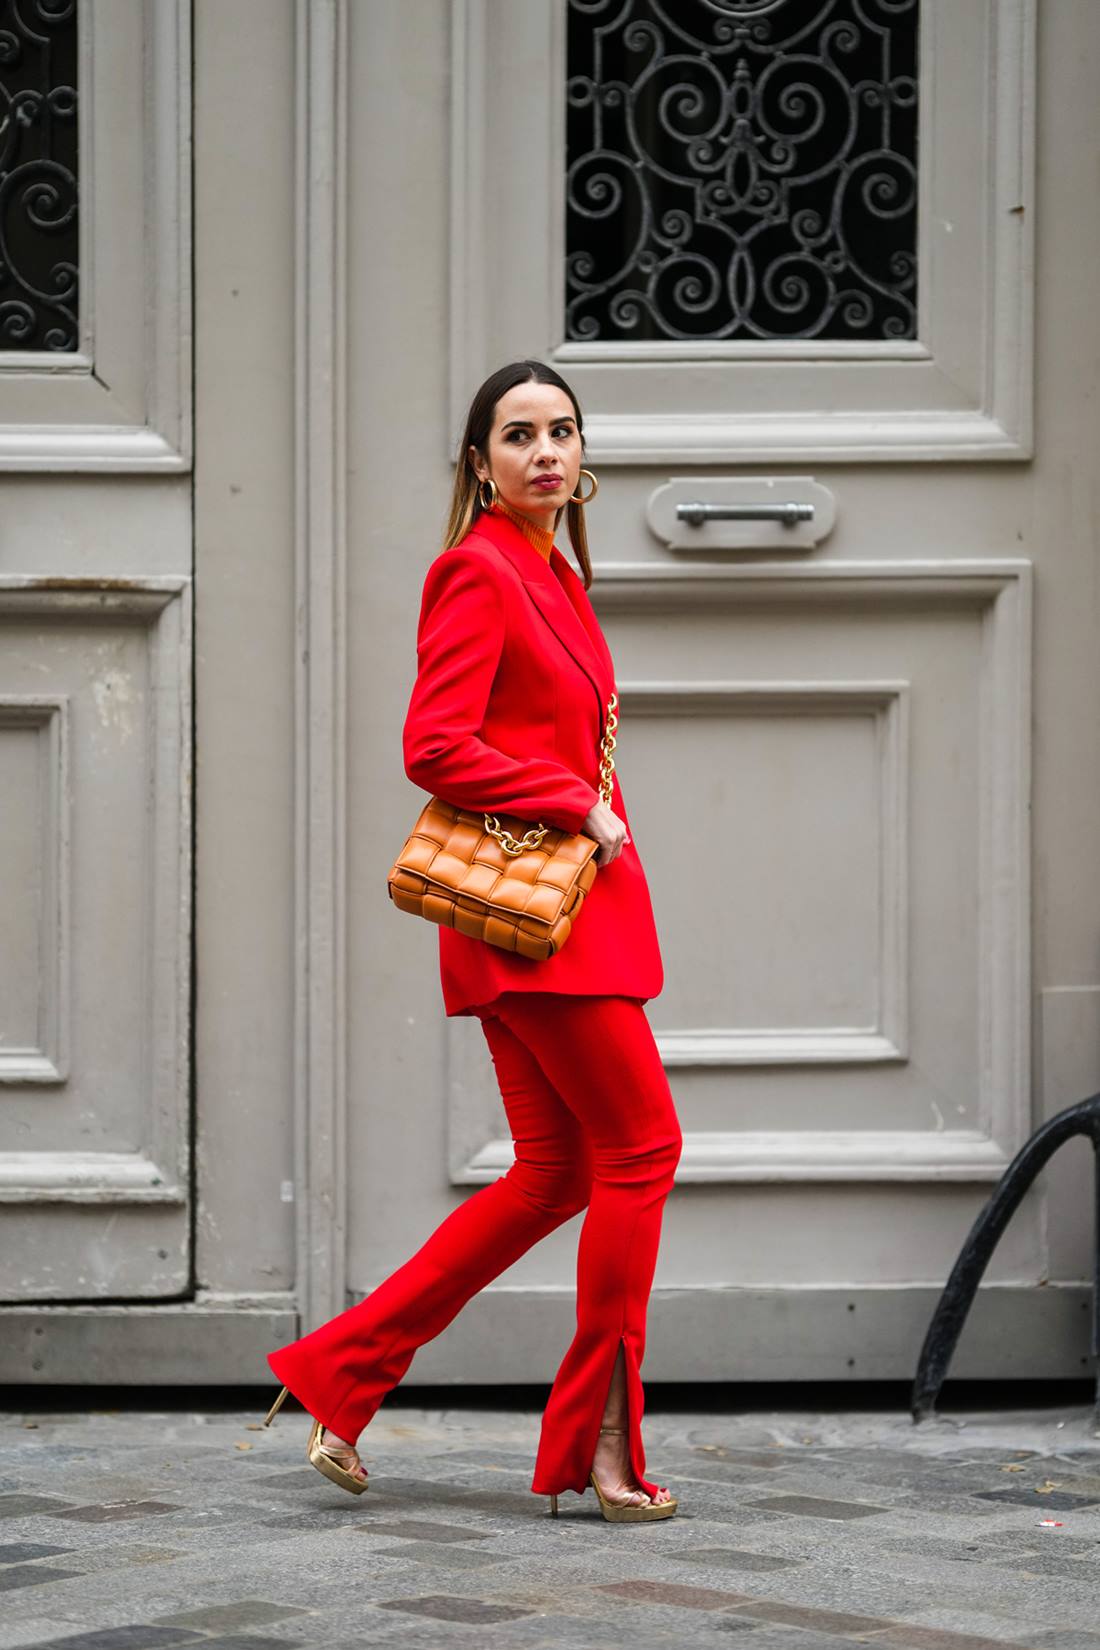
(320,465)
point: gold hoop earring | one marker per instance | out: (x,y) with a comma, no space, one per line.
(491,484)
(590,496)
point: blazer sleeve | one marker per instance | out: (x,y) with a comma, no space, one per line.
(460,638)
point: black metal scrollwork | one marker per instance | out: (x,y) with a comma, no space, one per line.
(741,169)
(38,175)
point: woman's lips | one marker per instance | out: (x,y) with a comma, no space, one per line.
(548,483)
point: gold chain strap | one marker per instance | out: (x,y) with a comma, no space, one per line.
(533,837)
(607,761)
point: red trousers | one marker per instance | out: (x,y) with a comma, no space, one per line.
(594,1127)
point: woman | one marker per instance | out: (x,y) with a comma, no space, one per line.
(512,707)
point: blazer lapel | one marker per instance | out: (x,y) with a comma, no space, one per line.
(563,602)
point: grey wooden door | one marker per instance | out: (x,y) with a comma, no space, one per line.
(95,667)
(855,750)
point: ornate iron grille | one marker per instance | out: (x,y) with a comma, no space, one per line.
(741,169)
(38,175)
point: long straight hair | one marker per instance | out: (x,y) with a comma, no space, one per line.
(466,505)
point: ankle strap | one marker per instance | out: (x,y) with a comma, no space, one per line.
(612,1429)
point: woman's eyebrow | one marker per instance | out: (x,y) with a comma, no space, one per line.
(526,423)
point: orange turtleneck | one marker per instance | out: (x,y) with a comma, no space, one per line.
(541,537)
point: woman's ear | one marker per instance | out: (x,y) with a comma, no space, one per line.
(475,461)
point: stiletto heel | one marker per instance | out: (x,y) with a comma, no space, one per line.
(276,1406)
(618,1513)
(554,1505)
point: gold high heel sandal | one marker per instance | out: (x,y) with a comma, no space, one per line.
(323,1456)
(617,1513)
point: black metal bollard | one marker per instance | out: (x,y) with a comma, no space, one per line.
(966,1274)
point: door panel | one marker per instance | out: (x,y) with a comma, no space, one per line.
(100,381)
(703,193)
(866,875)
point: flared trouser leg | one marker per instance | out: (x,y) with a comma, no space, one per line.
(601,1056)
(341,1371)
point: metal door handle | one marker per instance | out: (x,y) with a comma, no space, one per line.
(695,512)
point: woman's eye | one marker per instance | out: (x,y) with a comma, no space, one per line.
(563,431)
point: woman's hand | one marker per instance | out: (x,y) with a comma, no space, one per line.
(605,826)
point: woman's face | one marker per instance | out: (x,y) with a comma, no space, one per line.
(534,450)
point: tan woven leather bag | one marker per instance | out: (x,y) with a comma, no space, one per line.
(466,870)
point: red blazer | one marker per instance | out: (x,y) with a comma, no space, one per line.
(507,714)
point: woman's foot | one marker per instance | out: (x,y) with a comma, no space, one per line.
(346,1455)
(611,1466)
(614,1474)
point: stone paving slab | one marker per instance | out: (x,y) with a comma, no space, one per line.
(147,1527)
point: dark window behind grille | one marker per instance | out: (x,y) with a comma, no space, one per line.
(38,175)
(741,169)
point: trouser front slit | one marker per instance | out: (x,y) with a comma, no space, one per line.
(595,1128)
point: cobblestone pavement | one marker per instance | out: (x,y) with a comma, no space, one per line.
(160,1527)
